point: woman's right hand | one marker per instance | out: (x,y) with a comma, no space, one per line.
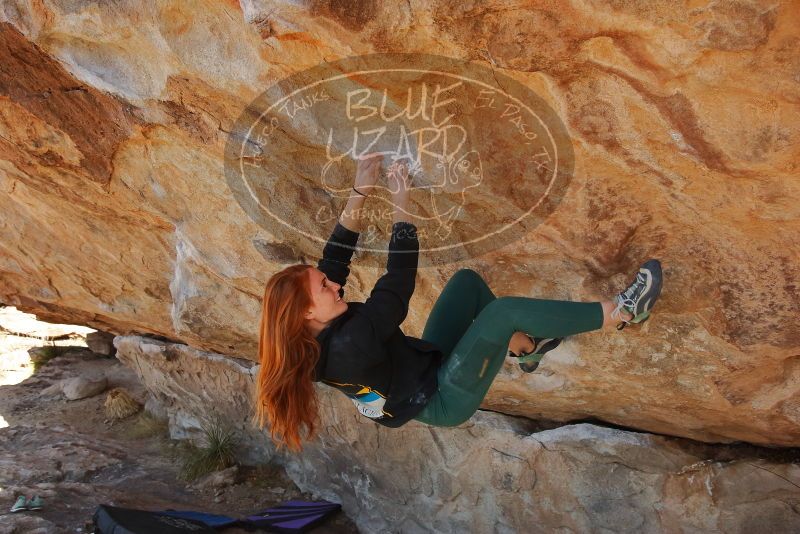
(400,187)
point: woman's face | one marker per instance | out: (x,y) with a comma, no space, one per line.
(327,305)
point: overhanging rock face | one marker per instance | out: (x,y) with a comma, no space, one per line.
(683,120)
(492,474)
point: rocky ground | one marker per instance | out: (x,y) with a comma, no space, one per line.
(73,456)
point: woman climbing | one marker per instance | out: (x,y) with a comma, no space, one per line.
(309,333)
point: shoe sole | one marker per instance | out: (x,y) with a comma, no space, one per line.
(652,270)
(531,361)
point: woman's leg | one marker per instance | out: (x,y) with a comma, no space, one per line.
(461,300)
(477,357)
(466,375)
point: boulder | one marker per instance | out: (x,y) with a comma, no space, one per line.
(494,473)
(101,343)
(81,387)
(681,119)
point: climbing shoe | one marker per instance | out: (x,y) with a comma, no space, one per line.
(35,503)
(529,361)
(20,505)
(640,296)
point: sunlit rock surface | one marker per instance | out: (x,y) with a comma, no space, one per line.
(683,119)
(492,474)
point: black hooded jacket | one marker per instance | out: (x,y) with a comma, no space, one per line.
(389,376)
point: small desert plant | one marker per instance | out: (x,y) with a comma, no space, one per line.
(216,453)
(51,351)
(119,404)
(41,355)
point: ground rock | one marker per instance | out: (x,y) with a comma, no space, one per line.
(218,479)
(53,389)
(114,118)
(37,455)
(494,473)
(26,522)
(81,387)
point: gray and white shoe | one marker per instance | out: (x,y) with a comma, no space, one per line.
(640,296)
(35,503)
(20,505)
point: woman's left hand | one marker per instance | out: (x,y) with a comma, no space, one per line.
(367,173)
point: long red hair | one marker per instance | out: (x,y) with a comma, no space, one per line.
(288,352)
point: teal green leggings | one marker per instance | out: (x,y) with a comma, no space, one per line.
(473,329)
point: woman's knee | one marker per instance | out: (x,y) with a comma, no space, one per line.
(467,275)
(498,307)
(497,316)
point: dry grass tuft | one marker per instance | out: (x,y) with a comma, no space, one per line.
(119,404)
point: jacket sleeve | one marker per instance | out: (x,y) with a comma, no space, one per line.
(336,255)
(387,306)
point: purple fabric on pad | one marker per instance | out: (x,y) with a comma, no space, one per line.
(293,516)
